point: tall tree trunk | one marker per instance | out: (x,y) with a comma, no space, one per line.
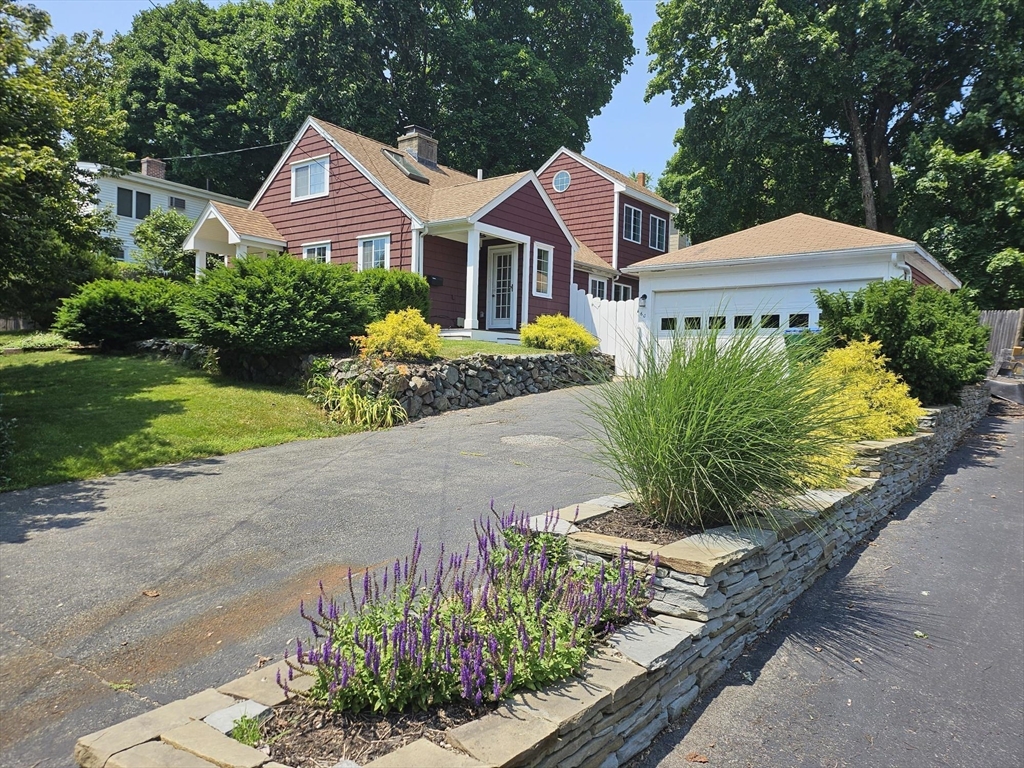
(881,162)
(860,151)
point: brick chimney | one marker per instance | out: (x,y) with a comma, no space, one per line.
(153,167)
(641,179)
(420,143)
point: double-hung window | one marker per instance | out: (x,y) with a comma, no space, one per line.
(375,252)
(542,258)
(622,292)
(318,252)
(659,227)
(133,205)
(632,221)
(597,288)
(309,179)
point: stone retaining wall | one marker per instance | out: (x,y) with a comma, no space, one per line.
(426,389)
(715,592)
(186,352)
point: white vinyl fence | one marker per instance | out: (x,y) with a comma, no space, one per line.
(614,323)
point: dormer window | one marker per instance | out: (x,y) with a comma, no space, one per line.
(404,165)
(309,179)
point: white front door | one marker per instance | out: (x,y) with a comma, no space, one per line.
(501,286)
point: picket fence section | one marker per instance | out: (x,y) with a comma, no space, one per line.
(615,324)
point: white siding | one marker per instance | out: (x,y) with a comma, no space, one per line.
(160,192)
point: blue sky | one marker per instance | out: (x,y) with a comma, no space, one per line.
(629,134)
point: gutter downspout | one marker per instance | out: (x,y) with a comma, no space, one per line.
(908,273)
(615,233)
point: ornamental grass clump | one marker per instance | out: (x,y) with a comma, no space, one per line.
(717,426)
(513,611)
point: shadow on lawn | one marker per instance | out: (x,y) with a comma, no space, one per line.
(85,409)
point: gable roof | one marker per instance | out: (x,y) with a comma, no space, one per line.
(460,201)
(246,222)
(588,260)
(789,236)
(615,177)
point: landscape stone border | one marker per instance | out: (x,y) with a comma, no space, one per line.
(715,593)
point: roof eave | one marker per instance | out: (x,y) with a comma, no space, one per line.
(665,266)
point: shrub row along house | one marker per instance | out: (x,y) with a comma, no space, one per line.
(496,252)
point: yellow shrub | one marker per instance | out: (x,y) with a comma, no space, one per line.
(401,335)
(558,333)
(873,402)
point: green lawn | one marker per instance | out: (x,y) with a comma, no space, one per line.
(82,415)
(452,348)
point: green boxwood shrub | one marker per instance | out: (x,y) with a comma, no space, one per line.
(393,290)
(276,306)
(115,313)
(557,333)
(932,338)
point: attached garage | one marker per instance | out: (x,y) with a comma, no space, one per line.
(764,277)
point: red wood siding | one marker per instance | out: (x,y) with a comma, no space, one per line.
(447,260)
(920,278)
(352,207)
(581,279)
(629,252)
(525,212)
(587,207)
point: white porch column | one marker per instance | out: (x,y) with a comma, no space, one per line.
(472,278)
(527,282)
(200,263)
(241,251)
(417,250)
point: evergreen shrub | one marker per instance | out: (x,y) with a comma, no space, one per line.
(402,335)
(114,313)
(393,290)
(557,333)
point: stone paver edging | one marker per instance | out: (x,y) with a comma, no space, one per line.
(715,592)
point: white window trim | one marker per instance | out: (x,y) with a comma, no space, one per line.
(664,223)
(316,244)
(556,189)
(326,158)
(604,288)
(622,288)
(376,236)
(626,218)
(551,270)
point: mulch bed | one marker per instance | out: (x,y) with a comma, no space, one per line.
(304,736)
(629,523)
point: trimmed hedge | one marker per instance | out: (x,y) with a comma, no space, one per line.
(115,313)
(557,333)
(393,290)
(277,305)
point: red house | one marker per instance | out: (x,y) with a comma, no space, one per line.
(495,252)
(616,221)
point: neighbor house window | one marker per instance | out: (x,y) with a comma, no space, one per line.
(597,288)
(632,220)
(658,229)
(743,321)
(622,292)
(125,202)
(318,252)
(375,252)
(769,321)
(668,323)
(176,203)
(691,323)
(143,204)
(561,181)
(309,178)
(542,270)
(800,320)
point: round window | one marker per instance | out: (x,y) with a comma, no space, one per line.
(561,181)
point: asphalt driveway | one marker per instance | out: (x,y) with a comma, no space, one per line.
(228,546)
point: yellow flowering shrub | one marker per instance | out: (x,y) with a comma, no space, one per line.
(558,333)
(403,335)
(872,400)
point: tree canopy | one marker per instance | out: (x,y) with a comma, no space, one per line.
(852,110)
(50,237)
(502,84)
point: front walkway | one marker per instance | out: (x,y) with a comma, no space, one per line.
(844,681)
(228,546)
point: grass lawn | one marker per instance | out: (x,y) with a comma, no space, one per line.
(452,348)
(82,415)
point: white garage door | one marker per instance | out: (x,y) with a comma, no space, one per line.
(781,307)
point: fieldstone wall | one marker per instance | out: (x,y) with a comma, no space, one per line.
(185,352)
(426,389)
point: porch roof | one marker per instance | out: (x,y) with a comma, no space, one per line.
(588,261)
(224,224)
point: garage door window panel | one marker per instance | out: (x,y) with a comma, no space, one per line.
(668,323)
(800,320)
(740,322)
(769,321)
